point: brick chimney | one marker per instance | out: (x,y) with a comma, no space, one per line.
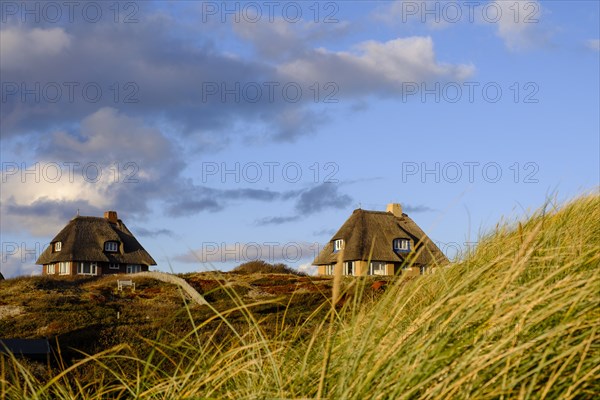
(395,209)
(111,216)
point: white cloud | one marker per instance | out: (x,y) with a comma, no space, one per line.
(113,160)
(29,188)
(593,44)
(280,39)
(24,183)
(20,47)
(110,135)
(414,55)
(308,269)
(18,258)
(48,208)
(376,66)
(518,23)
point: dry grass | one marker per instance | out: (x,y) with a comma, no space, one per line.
(517,319)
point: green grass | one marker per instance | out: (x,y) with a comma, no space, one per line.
(517,318)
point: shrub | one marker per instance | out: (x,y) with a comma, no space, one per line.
(263,267)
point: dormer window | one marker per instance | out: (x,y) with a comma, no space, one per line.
(401,245)
(338,245)
(57,246)
(111,247)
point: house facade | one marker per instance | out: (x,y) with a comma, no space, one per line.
(380,243)
(94,246)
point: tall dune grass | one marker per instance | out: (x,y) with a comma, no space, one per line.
(517,318)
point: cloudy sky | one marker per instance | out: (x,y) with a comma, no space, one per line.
(227,131)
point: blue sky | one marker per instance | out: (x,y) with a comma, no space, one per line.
(461,112)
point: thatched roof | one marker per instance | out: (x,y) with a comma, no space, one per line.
(378,229)
(83,240)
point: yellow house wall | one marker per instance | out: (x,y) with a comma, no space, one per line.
(361,268)
(389,269)
(57,269)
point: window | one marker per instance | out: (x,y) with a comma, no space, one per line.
(51,269)
(134,268)
(349,268)
(377,268)
(329,269)
(111,246)
(338,245)
(87,268)
(113,266)
(64,268)
(57,246)
(401,245)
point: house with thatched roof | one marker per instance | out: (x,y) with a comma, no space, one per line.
(94,246)
(380,243)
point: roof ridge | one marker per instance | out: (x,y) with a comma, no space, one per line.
(379,212)
(371,211)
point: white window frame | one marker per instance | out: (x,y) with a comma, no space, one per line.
(329,269)
(51,269)
(111,247)
(338,245)
(114,266)
(401,244)
(132,267)
(64,268)
(349,268)
(93,268)
(377,268)
(57,246)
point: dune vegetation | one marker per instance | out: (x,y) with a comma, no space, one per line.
(518,317)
